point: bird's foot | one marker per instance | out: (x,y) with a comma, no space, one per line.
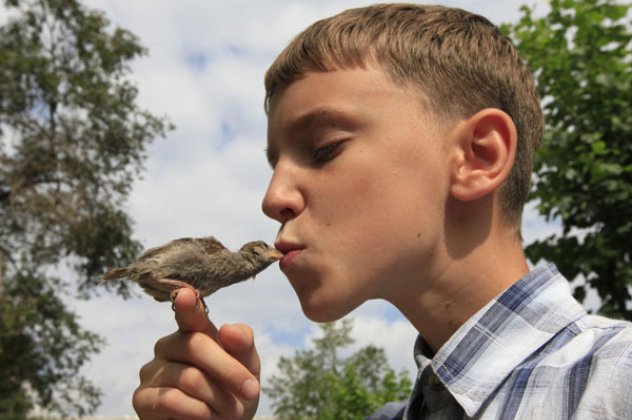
(174,294)
(201,299)
(172,297)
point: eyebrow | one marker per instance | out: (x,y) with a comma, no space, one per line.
(305,121)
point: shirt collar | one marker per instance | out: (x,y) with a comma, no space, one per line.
(474,362)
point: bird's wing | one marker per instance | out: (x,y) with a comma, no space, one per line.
(212,245)
(152,252)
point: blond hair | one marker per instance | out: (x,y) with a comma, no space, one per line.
(460,62)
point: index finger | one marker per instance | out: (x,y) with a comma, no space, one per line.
(191,315)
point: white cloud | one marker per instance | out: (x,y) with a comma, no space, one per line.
(397,337)
(534,227)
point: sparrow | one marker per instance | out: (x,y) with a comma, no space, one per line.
(201,264)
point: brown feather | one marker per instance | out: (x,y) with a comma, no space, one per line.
(115,273)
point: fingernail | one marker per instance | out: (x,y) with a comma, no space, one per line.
(250,389)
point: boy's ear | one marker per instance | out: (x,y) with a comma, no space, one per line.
(486,149)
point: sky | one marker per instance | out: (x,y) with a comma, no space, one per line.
(205,72)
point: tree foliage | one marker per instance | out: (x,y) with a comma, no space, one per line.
(319,383)
(581,53)
(72,140)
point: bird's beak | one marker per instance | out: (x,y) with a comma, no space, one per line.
(275,254)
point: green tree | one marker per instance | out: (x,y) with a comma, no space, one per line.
(72,140)
(581,53)
(319,383)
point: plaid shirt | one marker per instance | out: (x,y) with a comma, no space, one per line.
(531,353)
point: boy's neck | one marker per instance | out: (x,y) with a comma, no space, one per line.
(478,263)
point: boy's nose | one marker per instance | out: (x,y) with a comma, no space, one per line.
(283,199)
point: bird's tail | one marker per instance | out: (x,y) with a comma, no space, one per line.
(115,273)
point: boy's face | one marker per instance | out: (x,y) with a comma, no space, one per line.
(359,185)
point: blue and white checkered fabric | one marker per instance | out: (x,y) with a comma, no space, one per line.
(531,353)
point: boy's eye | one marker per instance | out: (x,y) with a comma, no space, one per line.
(326,153)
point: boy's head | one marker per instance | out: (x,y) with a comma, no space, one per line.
(459,62)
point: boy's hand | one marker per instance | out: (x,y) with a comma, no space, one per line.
(200,372)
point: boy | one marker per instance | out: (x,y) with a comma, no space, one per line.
(401,139)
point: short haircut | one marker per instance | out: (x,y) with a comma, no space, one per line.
(460,62)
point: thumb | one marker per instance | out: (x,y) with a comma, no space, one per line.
(191,314)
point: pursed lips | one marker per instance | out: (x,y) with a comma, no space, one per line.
(290,252)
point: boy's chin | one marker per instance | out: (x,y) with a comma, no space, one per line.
(324,310)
